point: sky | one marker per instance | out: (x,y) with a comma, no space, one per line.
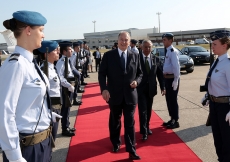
(70,19)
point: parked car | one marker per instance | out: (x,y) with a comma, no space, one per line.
(201,41)
(186,62)
(197,53)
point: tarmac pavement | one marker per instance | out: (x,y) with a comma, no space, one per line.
(192,120)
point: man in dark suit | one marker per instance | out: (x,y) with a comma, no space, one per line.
(97,57)
(119,74)
(152,68)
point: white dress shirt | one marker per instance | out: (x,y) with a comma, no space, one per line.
(148,58)
(54,81)
(219,83)
(61,70)
(21,100)
(73,59)
(171,63)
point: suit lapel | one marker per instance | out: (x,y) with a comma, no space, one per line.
(142,62)
(117,59)
(129,57)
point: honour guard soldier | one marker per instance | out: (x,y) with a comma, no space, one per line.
(67,74)
(171,70)
(132,46)
(25,113)
(76,62)
(0,58)
(49,50)
(147,89)
(218,85)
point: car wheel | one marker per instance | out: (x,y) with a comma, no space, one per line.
(190,70)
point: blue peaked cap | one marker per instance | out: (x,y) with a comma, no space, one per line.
(51,45)
(167,35)
(219,34)
(65,44)
(75,44)
(30,18)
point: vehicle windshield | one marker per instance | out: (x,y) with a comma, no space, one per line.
(161,51)
(197,49)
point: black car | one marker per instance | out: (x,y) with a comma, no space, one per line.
(197,53)
(186,62)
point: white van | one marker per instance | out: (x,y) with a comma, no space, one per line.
(201,41)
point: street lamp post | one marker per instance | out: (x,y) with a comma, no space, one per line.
(181,36)
(158,13)
(94,22)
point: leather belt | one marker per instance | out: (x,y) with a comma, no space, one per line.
(220,99)
(36,138)
(168,76)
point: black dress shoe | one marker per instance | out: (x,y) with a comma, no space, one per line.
(80,91)
(144,137)
(68,133)
(166,123)
(134,156)
(72,129)
(77,102)
(174,124)
(83,83)
(116,148)
(150,132)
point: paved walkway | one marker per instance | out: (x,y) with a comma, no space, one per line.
(192,117)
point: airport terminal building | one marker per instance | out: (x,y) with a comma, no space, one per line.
(108,38)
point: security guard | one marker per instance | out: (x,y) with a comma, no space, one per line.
(132,46)
(25,114)
(171,70)
(140,45)
(67,73)
(50,50)
(76,62)
(218,85)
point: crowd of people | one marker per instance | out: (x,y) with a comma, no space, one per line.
(46,87)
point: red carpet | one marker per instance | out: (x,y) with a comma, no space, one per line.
(92,144)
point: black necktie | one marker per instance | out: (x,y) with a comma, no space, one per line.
(60,84)
(210,73)
(71,66)
(43,79)
(165,51)
(147,65)
(123,61)
(76,66)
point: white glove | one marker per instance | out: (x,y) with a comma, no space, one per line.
(228,117)
(19,160)
(202,100)
(175,85)
(54,116)
(71,88)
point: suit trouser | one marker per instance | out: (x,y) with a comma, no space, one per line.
(55,125)
(220,129)
(145,110)
(97,62)
(171,98)
(65,112)
(115,125)
(41,152)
